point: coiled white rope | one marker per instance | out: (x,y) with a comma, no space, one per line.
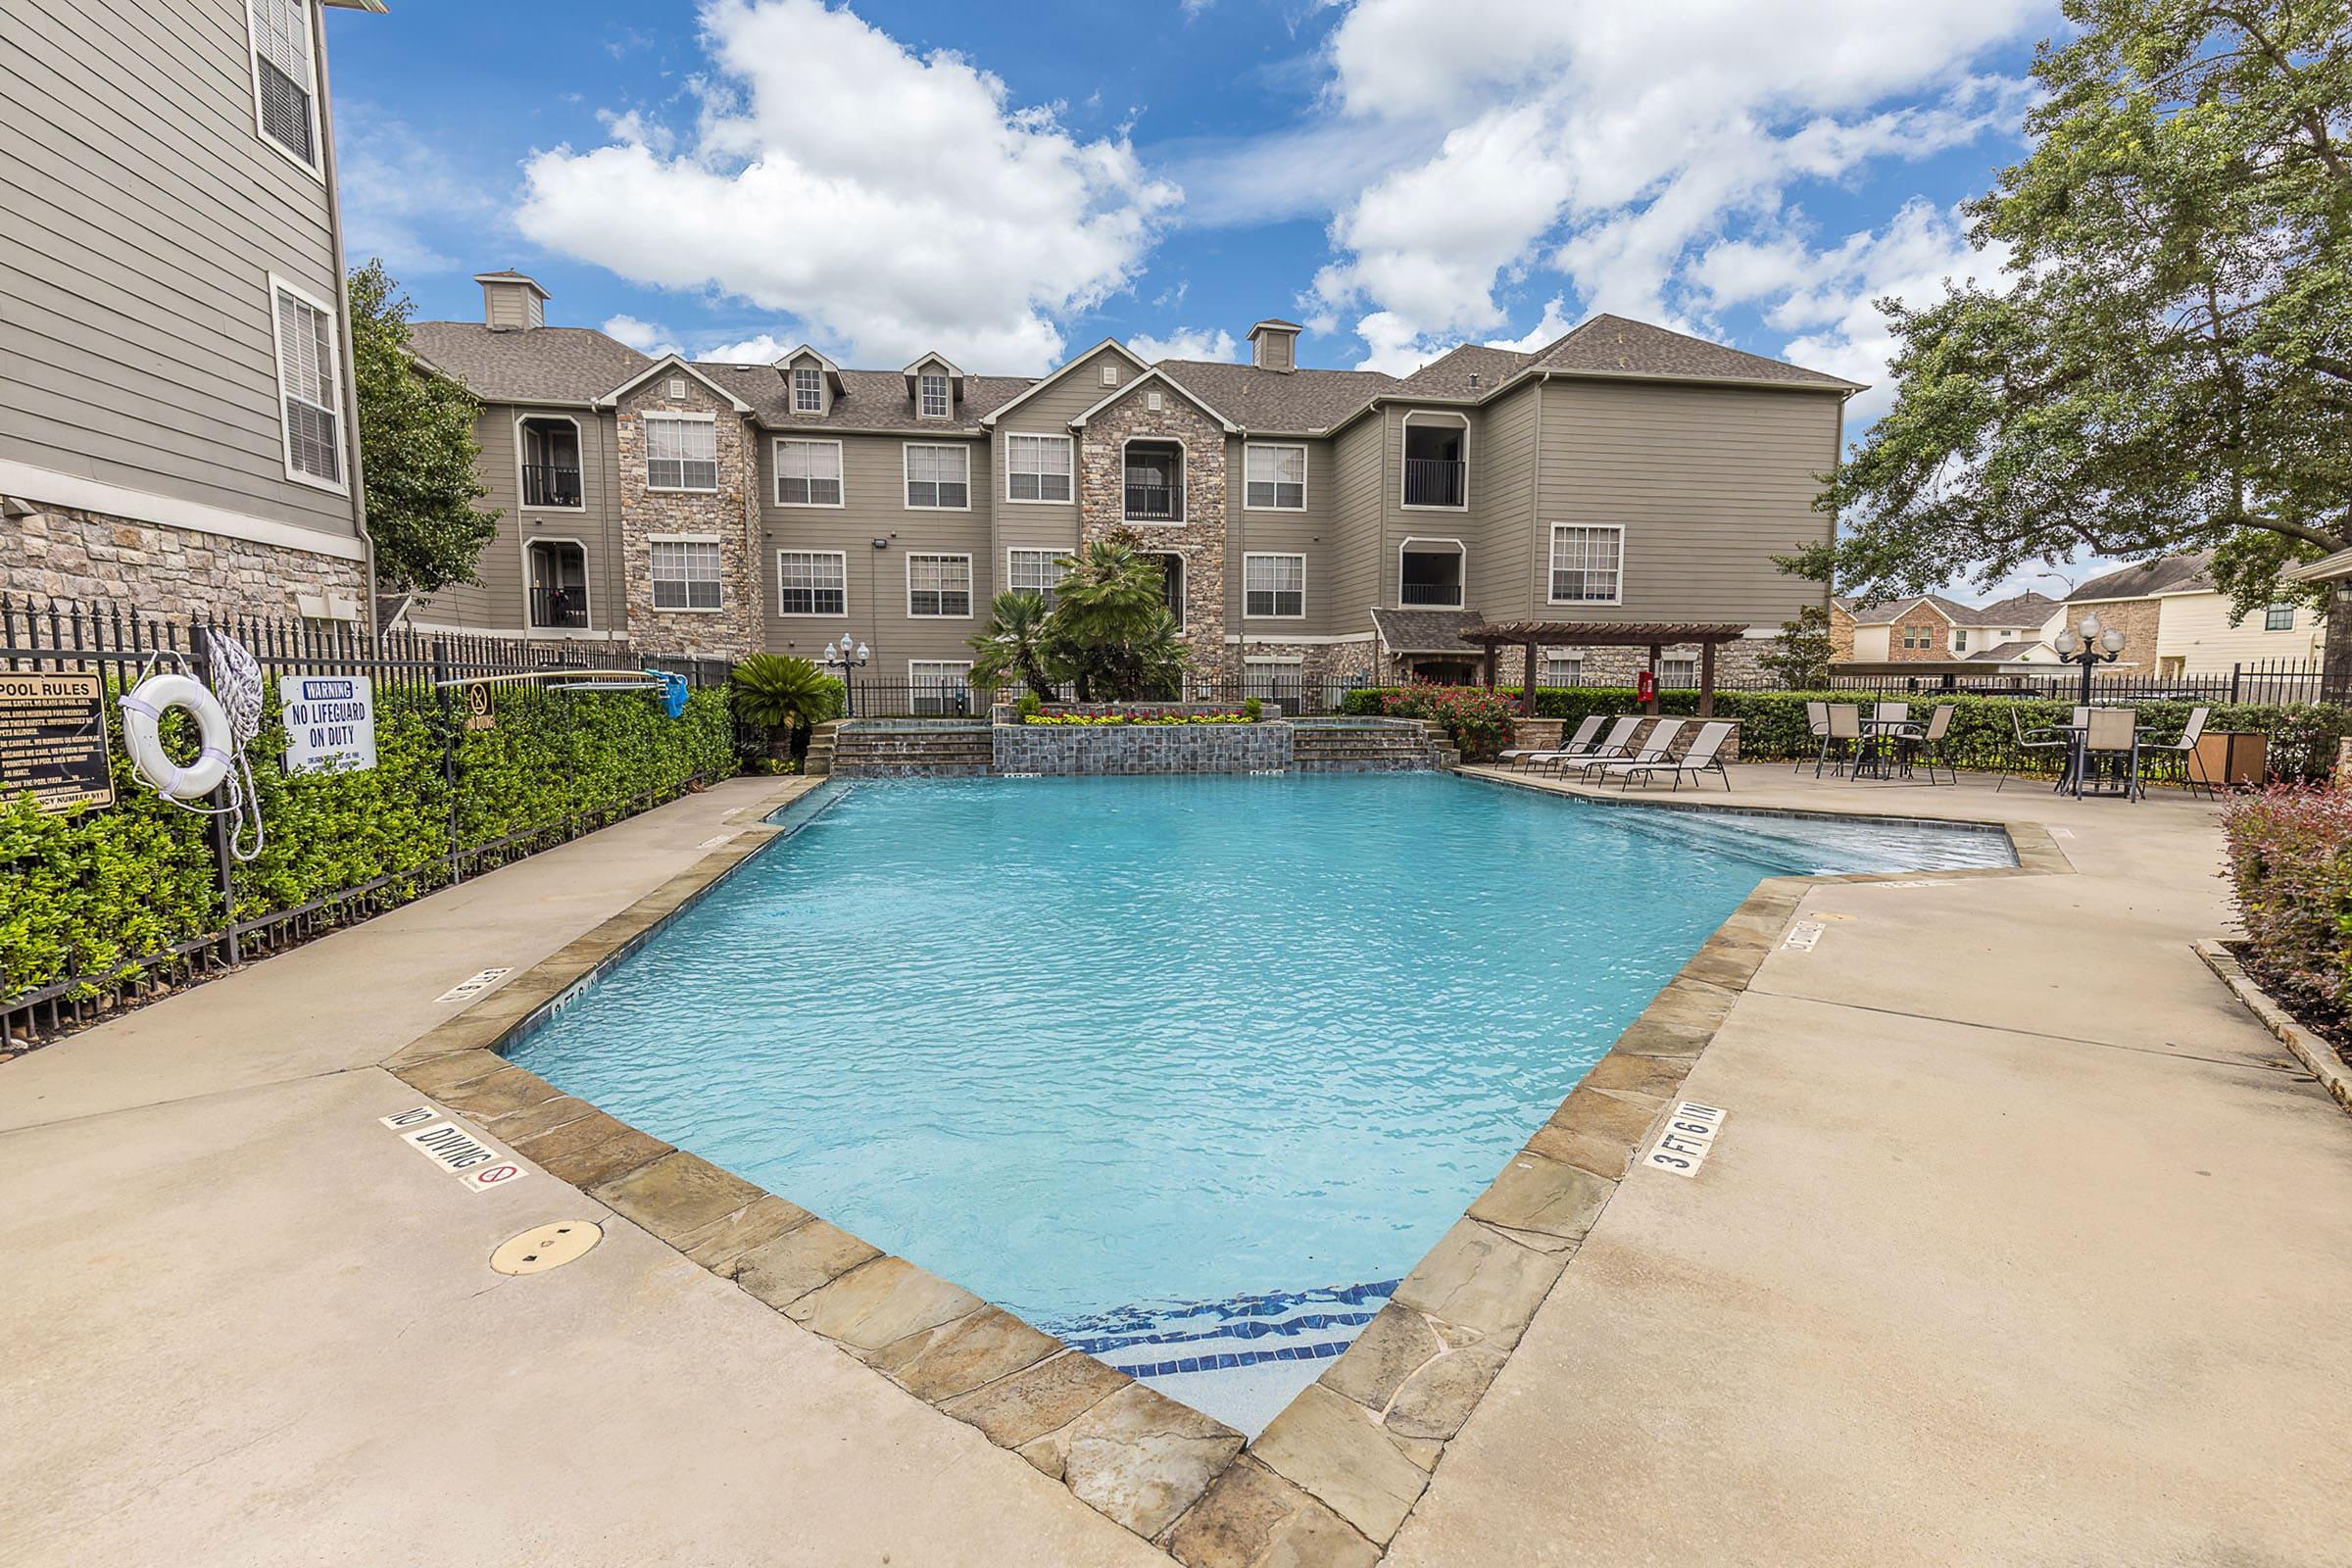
(236,685)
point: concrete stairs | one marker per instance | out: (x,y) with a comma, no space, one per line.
(1380,746)
(819,760)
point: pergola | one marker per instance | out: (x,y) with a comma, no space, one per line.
(1655,635)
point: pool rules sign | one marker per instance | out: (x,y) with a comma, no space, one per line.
(330,722)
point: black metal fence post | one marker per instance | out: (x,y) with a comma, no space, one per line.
(200,640)
(446,703)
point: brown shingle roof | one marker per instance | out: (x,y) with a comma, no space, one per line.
(1448,374)
(869,400)
(546,363)
(2018,610)
(2001,655)
(1290,400)
(2172,574)
(1425,631)
(1612,345)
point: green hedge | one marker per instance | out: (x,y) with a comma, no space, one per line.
(97,892)
(2303,736)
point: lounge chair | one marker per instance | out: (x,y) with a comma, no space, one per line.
(1656,747)
(1610,746)
(1582,740)
(1694,765)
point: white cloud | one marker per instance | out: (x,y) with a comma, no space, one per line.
(394,186)
(763,348)
(1610,146)
(646,337)
(1555,321)
(1187,343)
(895,202)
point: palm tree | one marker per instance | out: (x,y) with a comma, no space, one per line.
(1110,609)
(1015,644)
(784,695)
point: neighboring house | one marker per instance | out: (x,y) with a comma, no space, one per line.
(1315,525)
(2176,622)
(176,401)
(1934,629)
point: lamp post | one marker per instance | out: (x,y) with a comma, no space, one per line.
(2090,645)
(849,654)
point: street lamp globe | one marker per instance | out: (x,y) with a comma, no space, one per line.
(2092,627)
(2112,640)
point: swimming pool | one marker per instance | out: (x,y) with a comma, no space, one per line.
(1188,1070)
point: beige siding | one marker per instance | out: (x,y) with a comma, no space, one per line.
(145,214)
(1309,533)
(2195,629)
(1037,524)
(1400,521)
(1358,481)
(501,601)
(874,507)
(1502,481)
(1708,482)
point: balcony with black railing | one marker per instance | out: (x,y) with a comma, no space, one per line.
(1435,594)
(559,609)
(1435,481)
(551,484)
(1154,503)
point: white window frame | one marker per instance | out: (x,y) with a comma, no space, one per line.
(1107,373)
(1551,541)
(1184,581)
(1304,463)
(317,168)
(1666,662)
(1554,655)
(1257,668)
(1070,473)
(817,371)
(923,393)
(1461,576)
(841,471)
(653,584)
(1404,428)
(1013,586)
(916,683)
(579,444)
(970,587)
(587,585)
(1959,639)
(2267,610)
(334,379)
(907,475)
(1184,485)
(1248,557)
(813,615)
(651,417)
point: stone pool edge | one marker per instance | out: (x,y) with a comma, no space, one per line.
(1333,1476)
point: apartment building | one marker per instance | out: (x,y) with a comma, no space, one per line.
(175,400)
(2009,634)
(2176,622)
(1313,525)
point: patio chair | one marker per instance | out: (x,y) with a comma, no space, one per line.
(1580,741)
(2028,747)
(1891,713)
(1928,745)
(2178,759)
(1693,764)
(1845,736)
(2112,738)
(1656,747)
(1817,724)
(1614,745)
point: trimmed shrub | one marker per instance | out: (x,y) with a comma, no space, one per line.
(1478,722)
(2291,863)
(2302,736)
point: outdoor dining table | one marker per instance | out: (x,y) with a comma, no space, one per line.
(2076,758)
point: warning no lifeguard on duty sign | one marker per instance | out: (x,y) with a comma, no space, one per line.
(330,722)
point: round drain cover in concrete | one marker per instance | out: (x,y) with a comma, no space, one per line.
(546,1247)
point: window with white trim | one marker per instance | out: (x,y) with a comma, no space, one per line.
(680,454)
(686,573)
(1273,679)
(1274,586)
(807,473)
(933,401)
(1679,671)
(1562,669)
(1586,563)
(1959,639)
(2278,617)
(282,78)
(939,687)
(939,478)
(939,585)
(1275,480)
(1035,571)
(812,582)
(807,389)
(1037,468)
(309,387)
(1110,373)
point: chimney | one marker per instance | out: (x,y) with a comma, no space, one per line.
(511,301)
(1274,345)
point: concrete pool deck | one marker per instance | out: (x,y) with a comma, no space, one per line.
(2020,1242)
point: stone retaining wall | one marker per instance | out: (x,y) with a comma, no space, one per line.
(1048,748)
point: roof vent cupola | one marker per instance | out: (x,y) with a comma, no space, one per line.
(511,301)
(1274,345)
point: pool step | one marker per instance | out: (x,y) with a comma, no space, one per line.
(1365,749)
(949,750)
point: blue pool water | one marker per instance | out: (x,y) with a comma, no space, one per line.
(1135,1056)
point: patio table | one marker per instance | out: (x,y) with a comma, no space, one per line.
(2071,780)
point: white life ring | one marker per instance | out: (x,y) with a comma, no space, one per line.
(144,709)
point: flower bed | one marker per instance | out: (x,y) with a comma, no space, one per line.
(1478,722)
(1115,720)
(2291,865)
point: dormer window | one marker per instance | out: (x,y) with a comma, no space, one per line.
(1110,373)
(932,401)
(807,389)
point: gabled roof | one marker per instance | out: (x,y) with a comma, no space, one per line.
(2005,653)
(1613,345)
(1450,375)
(1069,364)
(939,359)
(1278,402)
(545,365)
(1425,631)
(864,400)
(1159,374)
(2172,575)
(2021,610)
(508,275)
(664,365)
(2018,610)
(812,351)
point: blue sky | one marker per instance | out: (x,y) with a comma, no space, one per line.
(1005,183)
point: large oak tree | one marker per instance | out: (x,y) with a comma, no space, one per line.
(2167,361)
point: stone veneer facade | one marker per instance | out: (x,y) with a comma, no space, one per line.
(728,513)
(1200,539)
(90,555)
(1618,666)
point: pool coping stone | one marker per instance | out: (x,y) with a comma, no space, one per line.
(1335,1473)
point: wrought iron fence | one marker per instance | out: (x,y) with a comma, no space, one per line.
(2263,683)
(120,644)
(898,698)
